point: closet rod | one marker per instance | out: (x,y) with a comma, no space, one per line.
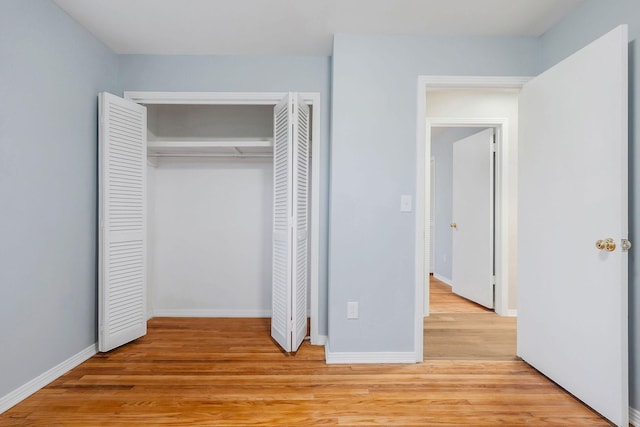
(213,155)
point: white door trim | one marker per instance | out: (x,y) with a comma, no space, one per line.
(266,98)
(423,148)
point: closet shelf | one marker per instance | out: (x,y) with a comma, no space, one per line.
(228,147)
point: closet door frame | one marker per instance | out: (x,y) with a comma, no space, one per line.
(267,98)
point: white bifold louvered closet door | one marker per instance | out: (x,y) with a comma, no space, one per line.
(122,221)
(290,228)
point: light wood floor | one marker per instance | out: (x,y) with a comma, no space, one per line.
(443,300)
(228,372)
(459,329)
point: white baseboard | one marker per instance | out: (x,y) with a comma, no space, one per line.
(26,390)
(512,313)
(368,357)
(443,279)
(189,312)
(634,417)
(168,312)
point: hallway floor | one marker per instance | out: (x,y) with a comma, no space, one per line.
(458,329)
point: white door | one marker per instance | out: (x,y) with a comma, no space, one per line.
(290,227)
(472,222)
(572,303)
(122,221)
(300,188)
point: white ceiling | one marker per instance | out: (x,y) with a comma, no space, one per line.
(298,27)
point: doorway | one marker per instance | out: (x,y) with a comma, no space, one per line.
(462,324)
(504,258)
(457,113)
(462,210)
(459,329)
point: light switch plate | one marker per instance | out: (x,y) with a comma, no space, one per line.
(352,310)
(406,203)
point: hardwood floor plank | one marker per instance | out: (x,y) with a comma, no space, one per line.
(443,300)
(466,331)
(228,372)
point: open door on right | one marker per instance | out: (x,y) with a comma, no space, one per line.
(572,302)
(472,226)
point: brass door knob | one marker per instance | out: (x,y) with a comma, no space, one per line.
(606,245)
(453,225)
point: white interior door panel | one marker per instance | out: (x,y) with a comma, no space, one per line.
(281,287)
(472,222)
(572,305)
(290,222)
(122,216)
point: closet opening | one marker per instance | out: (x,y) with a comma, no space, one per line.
(209,210)
(210,204)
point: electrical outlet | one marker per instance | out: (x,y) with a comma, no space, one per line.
(405,203)
(352,310)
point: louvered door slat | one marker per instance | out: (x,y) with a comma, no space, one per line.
(290,222)
(122,200)
(300,230)
(282,236)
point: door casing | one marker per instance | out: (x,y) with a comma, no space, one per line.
(423,176)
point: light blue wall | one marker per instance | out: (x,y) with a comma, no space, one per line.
(442,152)
(591,20)
(245,74)
(51,71)
(371,244)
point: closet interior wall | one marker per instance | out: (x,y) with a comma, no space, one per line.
(210,211)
